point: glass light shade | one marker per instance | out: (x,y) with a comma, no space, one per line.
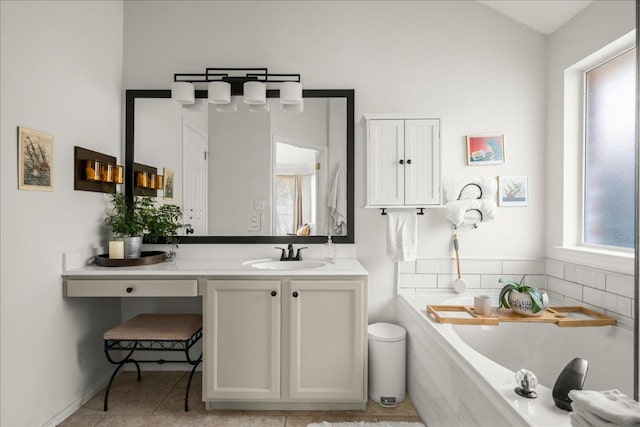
(260,108)
(119,175)
(231,107)
(291,93)
(106,172)
(159,182)
(152,181)
(142,179)
(219,92)
(255,93)
(183,93)
(293,108)
(93,170)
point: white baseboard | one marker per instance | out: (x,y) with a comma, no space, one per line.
(77,404)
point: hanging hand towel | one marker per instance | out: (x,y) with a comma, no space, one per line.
(469,187)
(337,203)
(613,406)
(480,210)
(402,235)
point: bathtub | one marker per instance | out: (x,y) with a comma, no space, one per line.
(463,375)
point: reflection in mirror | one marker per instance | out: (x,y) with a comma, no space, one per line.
(250,174)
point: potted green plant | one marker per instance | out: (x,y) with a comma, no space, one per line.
(162,220)
(143,217)
(522,299)
(126,222)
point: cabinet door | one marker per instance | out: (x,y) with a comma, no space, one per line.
(327,340)
(242,340)
(422,162)
(385,174)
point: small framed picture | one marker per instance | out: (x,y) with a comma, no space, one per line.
(485,149)
(35,160)
(168,183)
(513,190)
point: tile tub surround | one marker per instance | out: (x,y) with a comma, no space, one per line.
(608,292)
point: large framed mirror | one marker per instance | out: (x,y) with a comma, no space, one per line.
(244,176)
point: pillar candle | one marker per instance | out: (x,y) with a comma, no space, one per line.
(116,249)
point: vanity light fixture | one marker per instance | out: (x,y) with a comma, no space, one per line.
(183,93)
(94,171)
(225,84)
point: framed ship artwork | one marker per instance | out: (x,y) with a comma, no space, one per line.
(35,160)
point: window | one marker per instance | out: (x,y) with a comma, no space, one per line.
(609,156)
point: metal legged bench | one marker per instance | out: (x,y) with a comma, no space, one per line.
(154,332)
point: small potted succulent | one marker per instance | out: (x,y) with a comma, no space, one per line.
(522,299)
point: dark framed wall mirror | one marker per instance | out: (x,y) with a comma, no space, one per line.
(244,176)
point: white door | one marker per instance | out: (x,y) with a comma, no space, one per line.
(195,151)
(327,340)
(242,340)
(422,162)
(385,162)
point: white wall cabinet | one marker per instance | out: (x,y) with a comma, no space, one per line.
(297,344)
(403,162)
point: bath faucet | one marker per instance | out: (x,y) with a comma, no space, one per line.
(289,256)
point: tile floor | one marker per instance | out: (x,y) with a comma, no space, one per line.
(158,400)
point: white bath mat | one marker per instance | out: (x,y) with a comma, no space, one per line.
(367,424)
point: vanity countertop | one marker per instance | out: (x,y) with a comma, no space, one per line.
(216,267)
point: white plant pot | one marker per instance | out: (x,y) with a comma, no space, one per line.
(521,303)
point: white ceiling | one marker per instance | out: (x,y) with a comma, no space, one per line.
(545,16)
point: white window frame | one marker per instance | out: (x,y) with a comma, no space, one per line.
(573,248)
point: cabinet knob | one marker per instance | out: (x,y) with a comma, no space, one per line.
(274,293)
(295,294)
(409,161)
(401,162)
(129,290)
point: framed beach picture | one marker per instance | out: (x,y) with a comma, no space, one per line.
(485,149)
(513,190)
(35,160)
(168,183)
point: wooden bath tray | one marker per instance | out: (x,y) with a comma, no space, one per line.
(582,316)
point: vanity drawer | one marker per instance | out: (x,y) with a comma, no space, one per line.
(133,288)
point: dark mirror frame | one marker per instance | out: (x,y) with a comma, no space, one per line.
(348,94)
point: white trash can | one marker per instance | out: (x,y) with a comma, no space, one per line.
(387,363)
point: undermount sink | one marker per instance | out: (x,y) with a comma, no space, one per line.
(285,265)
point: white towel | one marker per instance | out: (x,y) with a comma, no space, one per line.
(476,210)
(577,420)
(470,187)
(337,203)
(612,406)
(402,235)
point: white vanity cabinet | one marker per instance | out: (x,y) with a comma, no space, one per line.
(403,161)
(289,343)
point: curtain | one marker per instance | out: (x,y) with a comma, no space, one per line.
(298,221)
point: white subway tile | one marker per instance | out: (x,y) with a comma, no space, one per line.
(426,266)
(537,280)
(585,276)
(446,280)
(406,267)
(481,266)
(417,281)
(620,284)
(571,301)
(554,268)
(445,266)
(555,298)
(407,291)
(563,287)
(490,281)
(620,305)
(522,267)
(622,320)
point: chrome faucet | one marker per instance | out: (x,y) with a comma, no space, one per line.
(289,256)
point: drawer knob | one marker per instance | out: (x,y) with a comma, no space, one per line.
(274,293)
(129,290)
(401,162)
(295,294)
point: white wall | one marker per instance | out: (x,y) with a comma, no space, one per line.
(61,73)
(474,68)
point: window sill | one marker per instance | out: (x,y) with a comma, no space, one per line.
(618,262)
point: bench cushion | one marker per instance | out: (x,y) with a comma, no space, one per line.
(156,327)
